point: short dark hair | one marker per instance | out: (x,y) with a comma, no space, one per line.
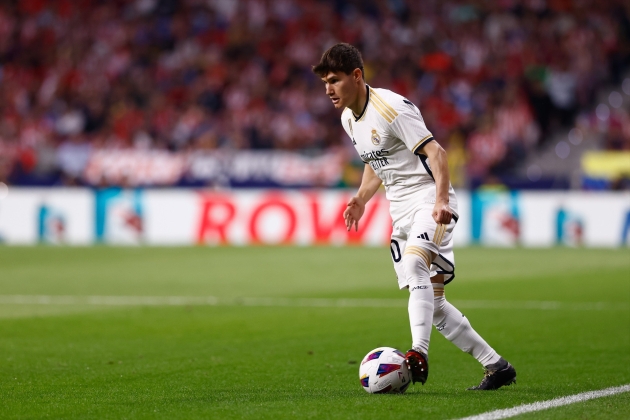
(340,57)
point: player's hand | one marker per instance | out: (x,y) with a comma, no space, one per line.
(442,213)
(353,213)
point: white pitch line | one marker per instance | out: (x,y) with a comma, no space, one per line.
(544,305)
(544,405)
(294,302)
(193,300)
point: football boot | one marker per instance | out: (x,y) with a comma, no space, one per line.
(418,364)
(495,376)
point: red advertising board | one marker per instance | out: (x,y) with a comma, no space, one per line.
(282,217)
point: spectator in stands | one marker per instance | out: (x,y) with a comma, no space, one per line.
(72,157)
(486,148)
(561,84)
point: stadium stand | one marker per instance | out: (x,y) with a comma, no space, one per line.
(498,82)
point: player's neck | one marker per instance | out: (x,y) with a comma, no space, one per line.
(358,105)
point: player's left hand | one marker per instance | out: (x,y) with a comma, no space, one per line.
(442,213)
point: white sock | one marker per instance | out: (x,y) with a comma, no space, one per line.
(420,298)
(453,325)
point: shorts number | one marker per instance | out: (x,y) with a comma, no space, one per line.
(395,252)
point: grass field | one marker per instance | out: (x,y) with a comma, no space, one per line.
(561,316)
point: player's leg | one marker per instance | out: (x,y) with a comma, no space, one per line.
(456,328)
(419,313)
(417,261)
(417,256)
(420,249)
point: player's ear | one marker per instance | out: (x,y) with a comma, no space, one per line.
(357,75)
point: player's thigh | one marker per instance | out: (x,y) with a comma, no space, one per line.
(397,249)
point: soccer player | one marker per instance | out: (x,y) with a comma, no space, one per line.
(400,152)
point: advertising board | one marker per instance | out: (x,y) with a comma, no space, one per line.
(52,216)
(299,217)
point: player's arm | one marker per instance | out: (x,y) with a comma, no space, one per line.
(439,166)
(370,183)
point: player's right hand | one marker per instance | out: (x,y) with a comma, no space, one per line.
(442,213)
(353,213)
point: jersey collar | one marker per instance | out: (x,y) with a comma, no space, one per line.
(367,101)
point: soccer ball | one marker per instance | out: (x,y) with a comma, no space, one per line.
(384,371)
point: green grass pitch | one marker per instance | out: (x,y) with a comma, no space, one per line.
(82,361)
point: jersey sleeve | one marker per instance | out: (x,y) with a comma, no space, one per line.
(409,126)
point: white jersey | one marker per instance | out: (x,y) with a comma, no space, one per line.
(387,135)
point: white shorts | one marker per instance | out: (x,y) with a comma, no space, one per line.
(425,233)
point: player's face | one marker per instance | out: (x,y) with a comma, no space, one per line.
(341,88)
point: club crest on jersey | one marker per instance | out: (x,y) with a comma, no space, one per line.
(376,139)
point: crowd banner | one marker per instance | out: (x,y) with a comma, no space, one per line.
(134,168)
(251,169)
(299,217)
(265,169)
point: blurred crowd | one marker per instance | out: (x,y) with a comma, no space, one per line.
(493,79)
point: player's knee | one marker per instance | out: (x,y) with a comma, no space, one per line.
(417,260)
(417,270)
